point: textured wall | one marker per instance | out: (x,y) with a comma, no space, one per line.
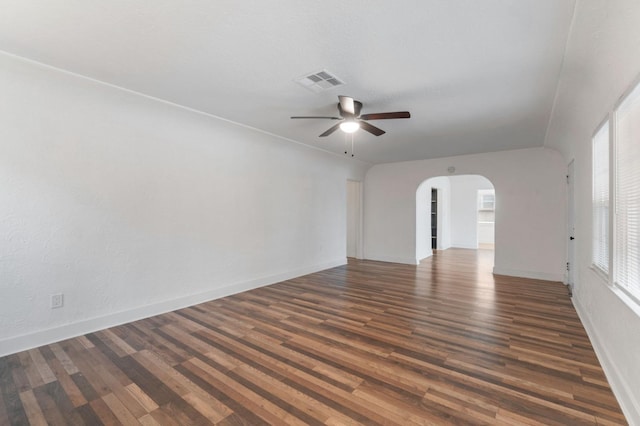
(464,209)
(130,206)
(530,223)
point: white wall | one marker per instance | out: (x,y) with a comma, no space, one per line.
(423,216)
(530,223)
(464,209)
(600,64)
(130,206)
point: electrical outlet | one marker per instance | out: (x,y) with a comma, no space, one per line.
(57,300)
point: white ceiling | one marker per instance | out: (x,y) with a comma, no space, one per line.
(476,75)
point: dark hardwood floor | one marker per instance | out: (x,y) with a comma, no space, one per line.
(368,343)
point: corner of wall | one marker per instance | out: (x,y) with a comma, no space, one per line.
(393,259)
(544,276)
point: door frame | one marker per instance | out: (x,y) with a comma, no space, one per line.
(571,226)
(359,216)
(438,218)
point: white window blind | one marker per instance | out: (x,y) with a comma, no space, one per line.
(600,199)
(627,195)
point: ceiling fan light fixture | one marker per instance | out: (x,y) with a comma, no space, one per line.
(350,119)
(349,126)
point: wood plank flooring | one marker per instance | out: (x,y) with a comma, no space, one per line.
(368,343)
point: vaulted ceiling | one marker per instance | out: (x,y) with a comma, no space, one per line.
(476,75)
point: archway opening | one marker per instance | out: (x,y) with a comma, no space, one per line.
(455,212)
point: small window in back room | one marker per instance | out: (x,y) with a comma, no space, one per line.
(486,199)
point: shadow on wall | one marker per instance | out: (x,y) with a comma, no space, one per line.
(454,211)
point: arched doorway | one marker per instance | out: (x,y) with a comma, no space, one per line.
(455,211)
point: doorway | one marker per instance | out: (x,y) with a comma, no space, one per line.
(571,228)
(354,219)
(486,218)
(434,218)
(455,212)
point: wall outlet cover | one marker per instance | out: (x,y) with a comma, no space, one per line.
(57,301)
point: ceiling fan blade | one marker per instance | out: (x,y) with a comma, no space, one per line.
(347,105)
(328,118)
(385,115)
(371,129)
(330,130)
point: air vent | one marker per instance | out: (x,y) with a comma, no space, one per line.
(319,81)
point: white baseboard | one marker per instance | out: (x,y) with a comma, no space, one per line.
(393,259)
(464,246)
(546,276)
(622,390)
(423,256)
(67,331)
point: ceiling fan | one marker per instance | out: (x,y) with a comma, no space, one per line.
(351,120)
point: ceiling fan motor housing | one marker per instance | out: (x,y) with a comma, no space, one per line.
(357,107)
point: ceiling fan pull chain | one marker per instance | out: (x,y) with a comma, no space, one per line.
(352,151)
(346,136)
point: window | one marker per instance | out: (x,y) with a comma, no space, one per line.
(626,256)
(486,199)
(600,199)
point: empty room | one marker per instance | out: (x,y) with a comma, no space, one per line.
(339,212)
